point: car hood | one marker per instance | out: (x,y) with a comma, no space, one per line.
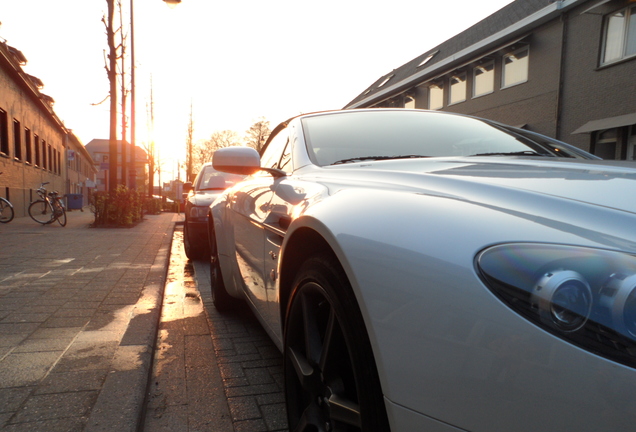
(204,198)
(603,183)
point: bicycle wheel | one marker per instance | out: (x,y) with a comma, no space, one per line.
(61,215)
(40,211)
(6,211)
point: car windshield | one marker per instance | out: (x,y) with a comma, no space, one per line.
(211,179)
(344,137)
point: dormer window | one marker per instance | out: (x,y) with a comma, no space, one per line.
(427,59)
(385,80)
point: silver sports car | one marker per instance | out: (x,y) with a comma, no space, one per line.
(425,271)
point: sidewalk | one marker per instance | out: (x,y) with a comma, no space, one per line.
(79,308)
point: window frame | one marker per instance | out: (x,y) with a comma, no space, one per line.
(513,53)
(440,87)
(4,133)
(630,13)
(484,64)
(36,147)
(17,140)
(28,143)
(461,84)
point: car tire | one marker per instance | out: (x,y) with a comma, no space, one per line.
(192,250)
(331,380)
(223,302)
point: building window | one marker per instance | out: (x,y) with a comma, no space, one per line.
(17,140)
(619,39)
(409,102)
(4,133)
(605,144)
(44,159)
(49,158)
(515,67)
(36,146)
(484,79)
(435,97)
(27,143)
(457,88)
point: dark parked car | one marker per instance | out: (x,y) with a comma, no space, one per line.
(208,185)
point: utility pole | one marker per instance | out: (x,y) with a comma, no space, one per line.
(189,174)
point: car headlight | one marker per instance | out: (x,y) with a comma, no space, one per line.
(585,296)
(198,212)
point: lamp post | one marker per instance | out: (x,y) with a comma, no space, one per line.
(170,3)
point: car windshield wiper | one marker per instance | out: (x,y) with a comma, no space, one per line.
(363,158)
(517,153)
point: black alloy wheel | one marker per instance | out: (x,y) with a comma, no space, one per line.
(192,248)
(331,380)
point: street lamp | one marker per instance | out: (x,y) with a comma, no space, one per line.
(170,3)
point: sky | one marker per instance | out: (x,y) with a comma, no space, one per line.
(230,62)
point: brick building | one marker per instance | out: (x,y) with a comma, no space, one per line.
(562,68)
(99,149)
(35,146)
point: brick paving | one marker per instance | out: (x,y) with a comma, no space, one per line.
(211,372)
(79,319)
(250,364)
(79,308)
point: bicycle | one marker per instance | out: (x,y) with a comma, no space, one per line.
(48,208)
(6,210)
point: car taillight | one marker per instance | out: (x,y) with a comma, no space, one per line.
(585,296)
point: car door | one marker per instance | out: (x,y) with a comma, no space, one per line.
(251,222)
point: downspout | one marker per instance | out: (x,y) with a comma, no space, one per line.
(559,103)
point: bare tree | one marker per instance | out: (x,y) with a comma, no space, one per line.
(111,71)
(115,68)
(189,173)
(150,148)
(202,152)
(257,134)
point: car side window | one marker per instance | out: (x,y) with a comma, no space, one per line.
(285,159)
(275,151)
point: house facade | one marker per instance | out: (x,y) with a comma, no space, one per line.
(35,146)
(566,69)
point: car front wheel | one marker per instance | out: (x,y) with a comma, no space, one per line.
(331,380)
(222,300)
(191,245)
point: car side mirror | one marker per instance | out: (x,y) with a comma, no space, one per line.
(237,160)
(187,187)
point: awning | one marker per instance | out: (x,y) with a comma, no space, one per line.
(607,123)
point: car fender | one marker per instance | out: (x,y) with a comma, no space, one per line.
(224,237)
(410,260)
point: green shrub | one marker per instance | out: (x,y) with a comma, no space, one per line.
(121,207)
(152,205)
